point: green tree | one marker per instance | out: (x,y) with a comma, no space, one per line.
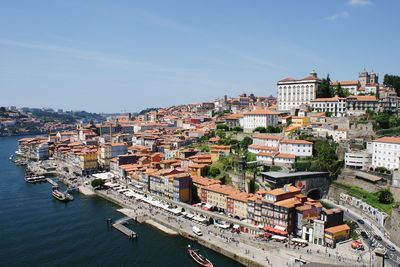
(97,183)
(340,91)
(246,142)
(223,127)
(237,129)
(250,156)
(392,81)
(385,196)
(394,121)
(273,129)
(325,88)
(214,171)
(260,129)
(382,120)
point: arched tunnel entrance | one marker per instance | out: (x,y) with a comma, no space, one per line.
(315,194)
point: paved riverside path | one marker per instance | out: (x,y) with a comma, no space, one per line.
(244,245)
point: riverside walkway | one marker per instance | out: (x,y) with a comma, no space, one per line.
(243,248)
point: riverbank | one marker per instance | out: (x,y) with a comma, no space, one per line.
(171,224)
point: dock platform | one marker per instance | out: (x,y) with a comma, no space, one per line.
(119,225)
(50,181)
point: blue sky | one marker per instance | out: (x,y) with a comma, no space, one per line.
(113,56)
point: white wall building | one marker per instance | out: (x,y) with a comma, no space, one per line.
(259,118)
(371,88)
(351,86)
(386,153)
(273,149)
(357,159)
(294,93)
(299,148)
(335,105)
(276,158)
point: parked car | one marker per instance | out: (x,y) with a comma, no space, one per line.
(360,221)
(377,237)
(390,247)
(364,235)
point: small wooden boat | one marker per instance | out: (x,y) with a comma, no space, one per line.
(198,258)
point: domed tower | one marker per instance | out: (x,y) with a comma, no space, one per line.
(313,73)
(363,78)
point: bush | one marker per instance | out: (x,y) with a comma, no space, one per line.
(302,165)
(260,130)
(246,142)
(385,196)
(275,168)
(97,183)
(214,171)
(237,129)
(381,170)
(223,127)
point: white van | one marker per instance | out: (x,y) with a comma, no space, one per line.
(197,231)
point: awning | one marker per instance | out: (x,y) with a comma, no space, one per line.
(278,237)
(275,231)
(299,240)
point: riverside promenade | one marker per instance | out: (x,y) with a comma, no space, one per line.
(243,248)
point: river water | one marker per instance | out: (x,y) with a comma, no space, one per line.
(37,230)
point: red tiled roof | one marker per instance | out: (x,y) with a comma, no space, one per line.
(393,140)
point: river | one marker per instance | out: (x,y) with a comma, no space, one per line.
(37,230)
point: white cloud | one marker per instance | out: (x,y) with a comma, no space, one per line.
(359,2)
(337,16)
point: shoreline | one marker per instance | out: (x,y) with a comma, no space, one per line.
(219,249)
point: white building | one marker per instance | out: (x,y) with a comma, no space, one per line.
(294,93)
(386,153)
(351,86)
(299,148)
(266,140)
(357,159)
(334,105)
(358,105)
(273,149)
(371,88)
(276,158)
(259,118)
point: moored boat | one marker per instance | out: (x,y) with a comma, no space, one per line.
(61,195)
(35,179)
(198,258)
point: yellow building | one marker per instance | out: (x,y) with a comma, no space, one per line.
(237,205)
(216,195)
(199,182)
(219,150)
(336,234)
(88,161)
(291,129)
(300,121)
